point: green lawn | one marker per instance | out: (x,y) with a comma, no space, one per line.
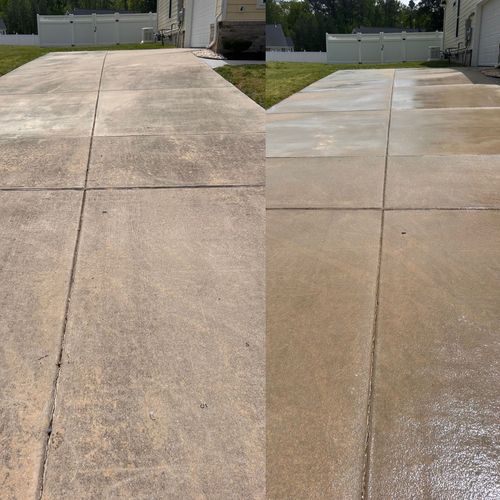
(250,79)
(284,79)
(13,56)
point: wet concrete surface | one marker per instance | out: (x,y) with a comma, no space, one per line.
(151,238)
(419,382)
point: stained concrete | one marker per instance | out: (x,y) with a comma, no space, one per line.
(177,111)
(161,389)
(435,400)
(38,233)
(41,115)
(424,77)
(162,383)
(363,133)
(43,162)
(447,96)
(445,132)
(321,277)
(324,182)
(428,397)
(338,99)
(215,159)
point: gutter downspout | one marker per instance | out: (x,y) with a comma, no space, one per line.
(216,27)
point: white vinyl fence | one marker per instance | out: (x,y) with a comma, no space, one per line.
(19,40)
(315,57)
(382,47)
(94,29)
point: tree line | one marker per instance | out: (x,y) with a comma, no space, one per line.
(20,15)
(307,21)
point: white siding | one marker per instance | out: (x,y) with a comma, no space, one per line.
(467,7)
(164,21)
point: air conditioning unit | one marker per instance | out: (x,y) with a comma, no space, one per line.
(148,35)
(434,54)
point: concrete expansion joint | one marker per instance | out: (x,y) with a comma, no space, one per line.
(55,386)
(132,188)
(366,465)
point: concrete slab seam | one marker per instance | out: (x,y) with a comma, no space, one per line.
(365,474)
(53,400)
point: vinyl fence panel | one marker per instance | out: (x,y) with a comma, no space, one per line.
(94,29)
(381,48)
(19,40)
(315,57)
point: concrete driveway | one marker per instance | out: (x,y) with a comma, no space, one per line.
(383,287)
(131,279)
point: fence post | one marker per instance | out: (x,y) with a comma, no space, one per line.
(382,47)
(360,48)
(403,45)
(117,26)
(72,22)
(94,25)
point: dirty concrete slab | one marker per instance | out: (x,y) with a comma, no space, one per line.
(38,233)
(447,96)
(321,276)
(324,182)
(424,77)
(50,162)
(39,115)
(49,82)
(176,160)
(158,78)
(177,111)
(159,70)
(444,132)
(436,405)
(443,181)
(66,62)
(161,392)
(363,133)
(338,99)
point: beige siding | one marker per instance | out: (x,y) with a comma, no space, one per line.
(467,7)
(165,22)
(250,11)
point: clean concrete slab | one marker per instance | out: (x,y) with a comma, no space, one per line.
(177,111)
(338,99)
(161,393)
(40,115)
(436,404)
(38,234)
(51,162)
(443,181)
(424,77)
(444,132)
(447,96)
(321,276)
(215,159)
(363,133)
(324,182)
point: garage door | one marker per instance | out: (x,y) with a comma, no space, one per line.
(203,17)
(489,37)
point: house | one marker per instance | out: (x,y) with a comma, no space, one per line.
(472,31)
(3,28)
(225,26)
(276,40)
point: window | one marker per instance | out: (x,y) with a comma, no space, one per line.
(458,19)
(261,4)
(169,9)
